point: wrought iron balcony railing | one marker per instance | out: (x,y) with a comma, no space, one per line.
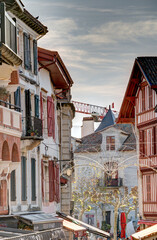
(31,127)
(114,182)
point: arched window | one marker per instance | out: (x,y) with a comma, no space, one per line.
(15,154)
(5,152)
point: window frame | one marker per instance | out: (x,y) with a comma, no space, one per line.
(110,143)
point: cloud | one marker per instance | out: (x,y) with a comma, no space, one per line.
(105,90)
(113,32)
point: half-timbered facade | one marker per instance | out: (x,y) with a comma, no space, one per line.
(139,108)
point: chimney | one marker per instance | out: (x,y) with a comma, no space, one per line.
(87,126)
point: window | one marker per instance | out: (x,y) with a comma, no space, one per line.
(110,143)
(148,186)
(111,174)
(143,99)
(150,98)
(23,176)
(13,185)
(10,33)
(33,178)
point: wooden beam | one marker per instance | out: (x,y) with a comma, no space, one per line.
(126,120)
(135,80)
(131,99)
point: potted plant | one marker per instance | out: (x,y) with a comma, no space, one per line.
(33,132)
(4,94)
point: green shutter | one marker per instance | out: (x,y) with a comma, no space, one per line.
(36,106)
(2,25)
(23,176)
(35,53)
(13,185)
(27,51)
(33,179)
(17,98)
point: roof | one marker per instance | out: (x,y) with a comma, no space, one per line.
(92,142)
(149,68)
(143,66)
(146,233)
(108,120)
(17,8)
(130,143)
(89,228)
(52,61)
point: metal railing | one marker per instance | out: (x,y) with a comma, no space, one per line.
(9,105)
(31,126)
(114,182)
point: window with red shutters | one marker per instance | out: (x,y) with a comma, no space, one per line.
(51,181)
(143,99)
(148,186)
(57,184)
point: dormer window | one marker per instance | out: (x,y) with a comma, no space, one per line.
(110,143)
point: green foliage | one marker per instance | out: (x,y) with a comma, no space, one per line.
(106,227)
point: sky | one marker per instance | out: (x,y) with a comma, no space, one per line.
(98,41)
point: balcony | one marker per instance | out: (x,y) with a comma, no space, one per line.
(10,119)
(114,182)
(31,128)
(8,36)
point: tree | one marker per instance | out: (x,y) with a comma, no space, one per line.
(120,200)
(82,195)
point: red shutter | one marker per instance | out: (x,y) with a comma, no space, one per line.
(53,119)
(145,143)
(57,184)
(49,116)
(42,179)
(51,181)
(41,109)
(141,135)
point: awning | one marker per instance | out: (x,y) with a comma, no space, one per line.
(41,225)
(88,227)
(76,229)
(146,233)
(41,221)
(147,222)
(53,234)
